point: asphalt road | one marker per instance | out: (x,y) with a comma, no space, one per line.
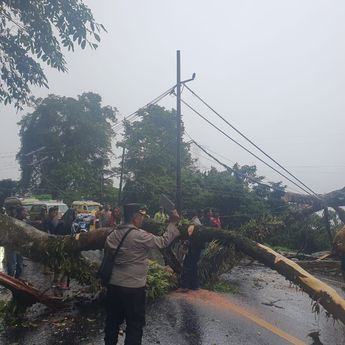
(267,310)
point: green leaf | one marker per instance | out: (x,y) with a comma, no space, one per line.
(77,130)
(54,27)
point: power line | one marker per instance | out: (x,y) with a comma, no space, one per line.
(219,155)
(134,115)
(253,180)
(250,141)
(248,177)
(244,148)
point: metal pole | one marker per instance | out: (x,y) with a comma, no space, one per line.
(178,134)
(121,176)
(102,187)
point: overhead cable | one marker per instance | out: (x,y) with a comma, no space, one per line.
(134,115)
(253,180)
(250,141)
(244,148)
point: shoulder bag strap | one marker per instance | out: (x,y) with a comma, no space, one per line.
(121,242)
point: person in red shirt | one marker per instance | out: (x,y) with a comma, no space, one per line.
(215,221)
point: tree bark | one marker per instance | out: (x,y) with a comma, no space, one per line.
(38,245)
(311,204)
(27,295)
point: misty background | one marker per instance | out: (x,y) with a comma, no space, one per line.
(274,69)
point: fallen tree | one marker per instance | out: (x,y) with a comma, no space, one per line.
(27,295)
(309,204)
(301,206)
(50,249)
(333,199)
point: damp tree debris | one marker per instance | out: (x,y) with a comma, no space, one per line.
(61,251)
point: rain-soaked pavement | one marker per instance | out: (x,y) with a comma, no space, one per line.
(267,310)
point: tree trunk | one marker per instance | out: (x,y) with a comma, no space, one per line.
(27,295)
(37,245)
(311,204)
(332,199)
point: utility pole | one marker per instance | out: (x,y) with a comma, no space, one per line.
(178,134)
(121,176)
(102,178)
(179,130)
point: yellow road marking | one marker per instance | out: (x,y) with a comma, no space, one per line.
(220,302)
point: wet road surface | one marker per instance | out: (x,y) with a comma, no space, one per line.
(268,310)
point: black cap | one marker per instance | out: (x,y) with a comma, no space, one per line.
(129,210)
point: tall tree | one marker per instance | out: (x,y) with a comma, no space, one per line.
(150,169)
(65,146)
(150,164)
(35,31)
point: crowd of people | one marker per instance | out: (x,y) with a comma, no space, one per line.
(108,217)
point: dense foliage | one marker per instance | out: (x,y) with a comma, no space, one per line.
(160,280)
(150,163)
(241,197)
(8,187)
(217,259)
(306,235)
(35,31)
(150,169)
(66,146)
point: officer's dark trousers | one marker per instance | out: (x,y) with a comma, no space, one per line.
(189,276)
(127,304)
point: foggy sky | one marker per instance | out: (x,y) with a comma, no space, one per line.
(274,69)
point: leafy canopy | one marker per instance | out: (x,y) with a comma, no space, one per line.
(150,165)
(8,188)
(34,31)
(66,145)
(150,169)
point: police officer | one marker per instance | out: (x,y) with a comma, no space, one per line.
(126,291)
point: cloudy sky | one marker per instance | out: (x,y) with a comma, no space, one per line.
(274,69)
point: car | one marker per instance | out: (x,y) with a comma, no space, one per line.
(86,206)
(36,209)
(28,202)
(88,209)
(12,201)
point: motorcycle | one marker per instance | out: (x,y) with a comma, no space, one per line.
(82,223)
